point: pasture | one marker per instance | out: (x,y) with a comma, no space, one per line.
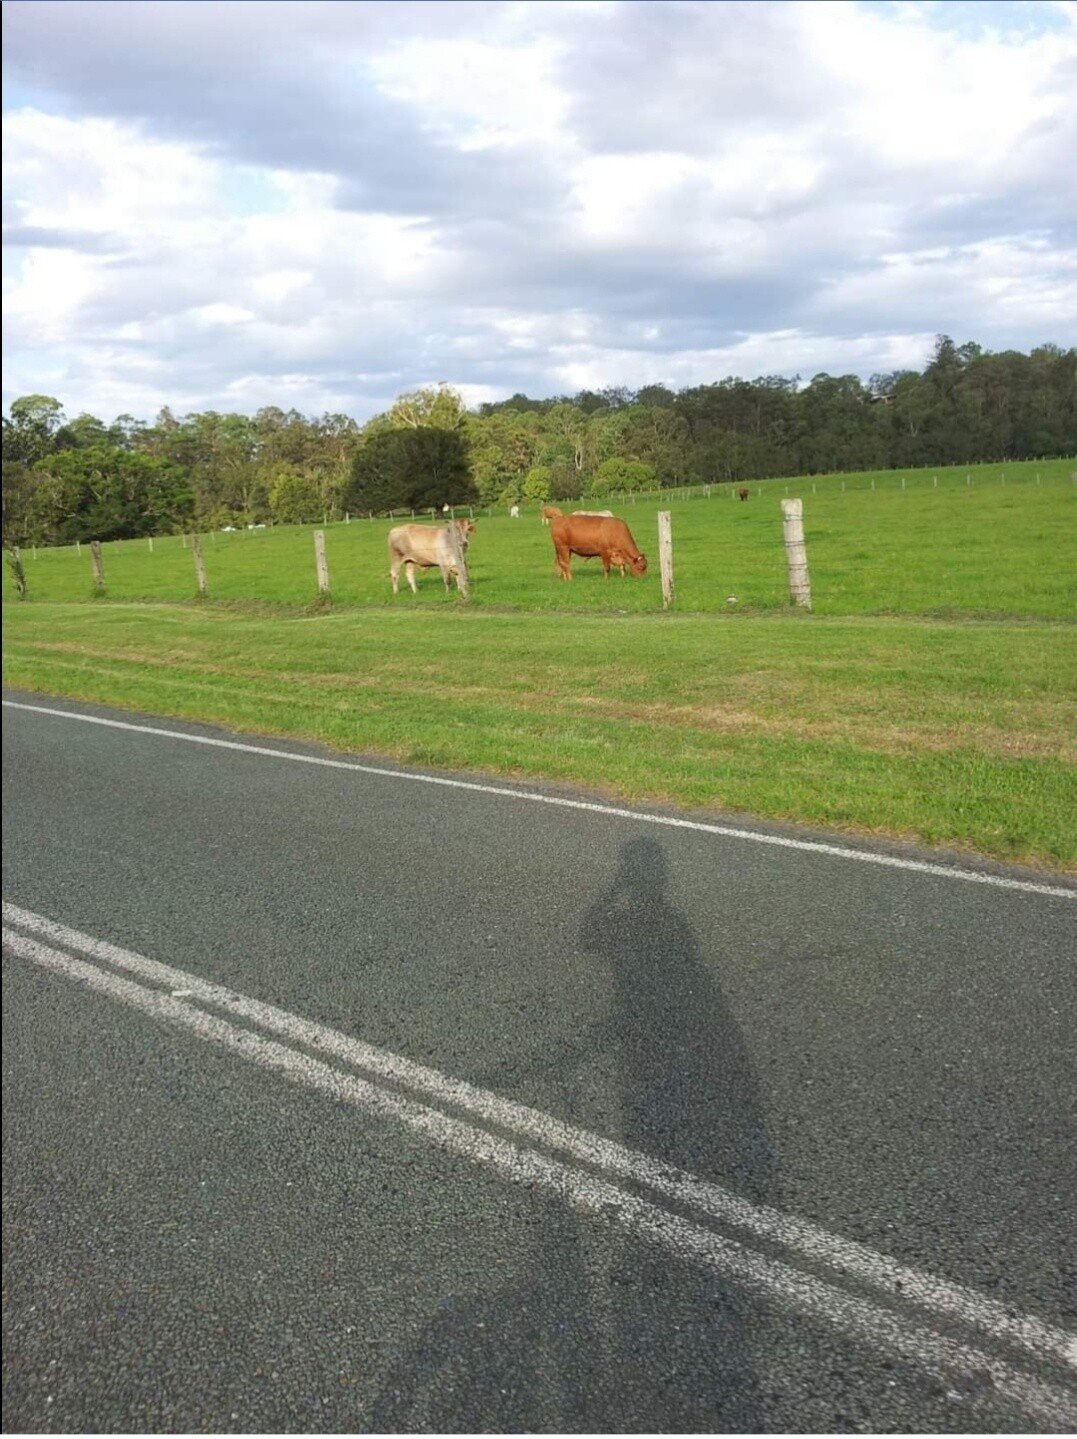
(982,549)
(930,696)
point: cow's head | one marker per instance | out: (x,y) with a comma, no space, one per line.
(464,529)
(639,565)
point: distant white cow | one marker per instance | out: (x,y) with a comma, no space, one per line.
(598,514)
(413,547)
(514,512)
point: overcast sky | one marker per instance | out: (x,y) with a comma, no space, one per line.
(321,205)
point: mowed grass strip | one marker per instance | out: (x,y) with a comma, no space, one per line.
(952,734)
(983,550)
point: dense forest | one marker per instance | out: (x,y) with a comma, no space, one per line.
(67,479)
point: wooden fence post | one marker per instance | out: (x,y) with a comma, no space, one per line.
(457,552)
(98,566)
(199,565)
(321,563)
(795,553)
(18,574)
(665,556)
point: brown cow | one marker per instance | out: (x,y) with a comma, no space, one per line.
(742,494)
(590,535)
(413,547)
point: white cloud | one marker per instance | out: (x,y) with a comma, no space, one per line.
(475,94)
(524,196)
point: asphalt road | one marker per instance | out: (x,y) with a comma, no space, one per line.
(752,1137)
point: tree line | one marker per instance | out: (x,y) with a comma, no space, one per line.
(79,479)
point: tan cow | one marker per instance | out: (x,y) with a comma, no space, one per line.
(421,547)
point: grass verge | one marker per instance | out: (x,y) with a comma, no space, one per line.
(950,734)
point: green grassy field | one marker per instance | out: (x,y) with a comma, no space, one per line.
(932,694)
(980,549)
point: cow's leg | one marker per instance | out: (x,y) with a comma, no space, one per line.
(446,575)
(409,570)
(394,575)
(563,562)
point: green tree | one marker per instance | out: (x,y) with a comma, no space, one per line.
(536,485)
(617,476)
(29,434)
(441,408)
(411,469)
(295,500)
(105,493)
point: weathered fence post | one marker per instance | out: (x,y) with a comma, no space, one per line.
(795,553)
(199,565)
(457,552)
(18,574)
(321,563)
(151,544)
(665,556)
(98,566)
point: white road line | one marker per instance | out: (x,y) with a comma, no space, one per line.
(859,1319)
(615,812)
(864,1266)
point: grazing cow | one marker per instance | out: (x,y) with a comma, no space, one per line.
(413,547)
(742,494)
(590,535)
(514,512)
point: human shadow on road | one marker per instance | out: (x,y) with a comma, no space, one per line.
(592,1330)
(688,1093)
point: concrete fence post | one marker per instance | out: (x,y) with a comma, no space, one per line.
(665,556)
(795,552)
(320,562)
(199,565)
